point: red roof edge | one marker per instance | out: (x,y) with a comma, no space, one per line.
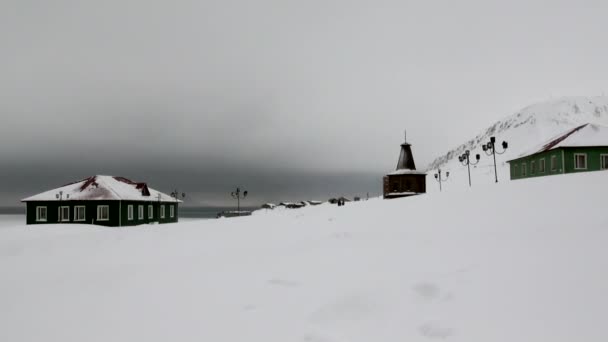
(88,182)
(561,138)
(144,189)
(139,186)
(124,180)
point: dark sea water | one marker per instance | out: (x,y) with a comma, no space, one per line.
(185,212)
(207,212)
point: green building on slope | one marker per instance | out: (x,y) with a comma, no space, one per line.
(582,149)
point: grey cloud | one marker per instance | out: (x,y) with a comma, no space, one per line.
(255,92)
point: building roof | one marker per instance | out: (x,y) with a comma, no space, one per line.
(406,158)
(103,188)
(587,135)
(406,172)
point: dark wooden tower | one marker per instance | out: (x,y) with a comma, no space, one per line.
(405,180)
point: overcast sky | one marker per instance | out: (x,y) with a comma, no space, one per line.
(290,99)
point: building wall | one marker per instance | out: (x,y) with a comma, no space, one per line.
(404,183)
(146,220)
(564,160)
(90,212)
(516,165)
(118,212)
(593,158)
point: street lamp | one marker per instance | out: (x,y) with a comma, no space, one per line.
(465,160)
(440,179)
(175,194)
(238,195)
(490,149)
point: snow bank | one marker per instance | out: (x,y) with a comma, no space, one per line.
(516,261)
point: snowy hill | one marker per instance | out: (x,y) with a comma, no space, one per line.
(516,261)
(527,128)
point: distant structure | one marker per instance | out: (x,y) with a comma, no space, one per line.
(405,180)
(582,149)
(102,200)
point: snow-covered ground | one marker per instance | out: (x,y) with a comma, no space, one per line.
(11,220)
(514,261)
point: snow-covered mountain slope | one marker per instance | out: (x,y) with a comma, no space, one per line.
(523,130)
(517,261)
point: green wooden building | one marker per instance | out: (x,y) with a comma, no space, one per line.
(102,200)
(582,149)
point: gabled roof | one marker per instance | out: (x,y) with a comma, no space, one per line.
(587,135)
(103,188)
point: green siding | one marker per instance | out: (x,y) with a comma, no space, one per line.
(516,165)
(593,158)
(146,220)
(118,212)
(564,162)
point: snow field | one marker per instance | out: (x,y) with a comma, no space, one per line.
(514,261)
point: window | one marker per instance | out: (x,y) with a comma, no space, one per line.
(541,165)
(130,212)
(79,213)
(140,212)
(523,169)
(604,161)
(64,214)
(103,213)
(150,212)
(532,167)
(162,211)
(40,214)
(580,161)
(172,211)
(553,163)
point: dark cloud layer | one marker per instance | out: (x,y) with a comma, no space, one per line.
(295,99)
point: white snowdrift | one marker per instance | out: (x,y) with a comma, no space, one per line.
(517,261)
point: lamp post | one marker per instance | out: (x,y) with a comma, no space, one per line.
(172,210)
(440,179)
(238,195)
(175,194)
(465,160)
(490,149)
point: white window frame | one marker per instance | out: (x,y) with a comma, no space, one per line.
(162,211)
(172,211)
(39,217)
(602,156)
(77,218)
(130,212)
(140,212)
(61,212)
(576,155)
(524,170)
(532,167)
(150,212)
(553,163)
(542,162)
(99,210)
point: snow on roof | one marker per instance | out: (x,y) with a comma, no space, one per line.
(582,136)
(103,188)
(406,172)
